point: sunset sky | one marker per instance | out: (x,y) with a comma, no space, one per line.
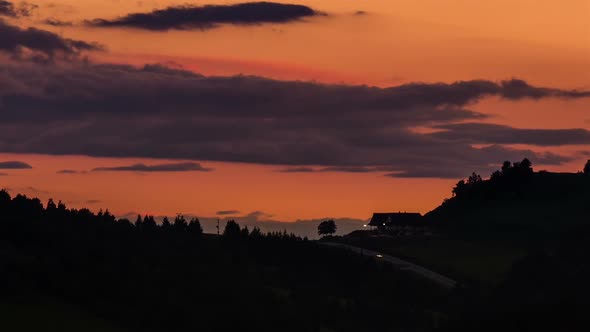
(291,109)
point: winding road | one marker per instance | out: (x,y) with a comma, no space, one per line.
(398,263)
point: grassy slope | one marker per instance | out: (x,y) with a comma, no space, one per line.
(460,259)
(34,313)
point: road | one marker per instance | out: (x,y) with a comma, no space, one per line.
(398,263)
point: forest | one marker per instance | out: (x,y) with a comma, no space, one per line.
(146,276)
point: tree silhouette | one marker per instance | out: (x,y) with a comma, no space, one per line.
(587,168)
(61,207)
(327,227)
(474,179)
(232,230)
(51,205)
(256,233)
(166,226)
(506,167)
(459,188)
(138,221)
(497,175)
(180,224)
(526,164)
(4,198)
(194,227)
(149,223)
(245,232)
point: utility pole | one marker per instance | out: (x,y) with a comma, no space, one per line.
(217,226)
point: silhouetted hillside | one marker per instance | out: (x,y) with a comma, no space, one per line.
(144,276)
(515,200)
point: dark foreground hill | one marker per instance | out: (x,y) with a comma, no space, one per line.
(517,201)
(65,270)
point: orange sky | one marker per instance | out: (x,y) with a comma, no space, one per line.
(544,42)
(241,187)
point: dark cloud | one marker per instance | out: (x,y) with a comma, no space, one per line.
(68,171)
(227,212)
(14,165)
(173,167)
(7,9)
(484,133)
(23,9)
(296,170)
(4,174)
(159,112)
(349,169)
(39,45)
(57,23)
(485,161)
(341,169)
(210,16)
(517,89)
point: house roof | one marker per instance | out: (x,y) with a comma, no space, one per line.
(395,218)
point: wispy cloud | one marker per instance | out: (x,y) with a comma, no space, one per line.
(296,170)
(486,133)
(39,45)
(172,167)
(57,23)
(69,171)
(227,212)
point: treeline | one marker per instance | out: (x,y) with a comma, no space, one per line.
(516,199)
(510,174)
(24,210)
(146,276)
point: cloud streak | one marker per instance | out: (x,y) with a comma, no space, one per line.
(485,133)
(227,212)
(296,170)
(68,171)
(210,16)
(39,45)
(57,23)
(14,165)
(172,167)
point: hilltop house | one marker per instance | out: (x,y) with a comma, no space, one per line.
(397,222)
